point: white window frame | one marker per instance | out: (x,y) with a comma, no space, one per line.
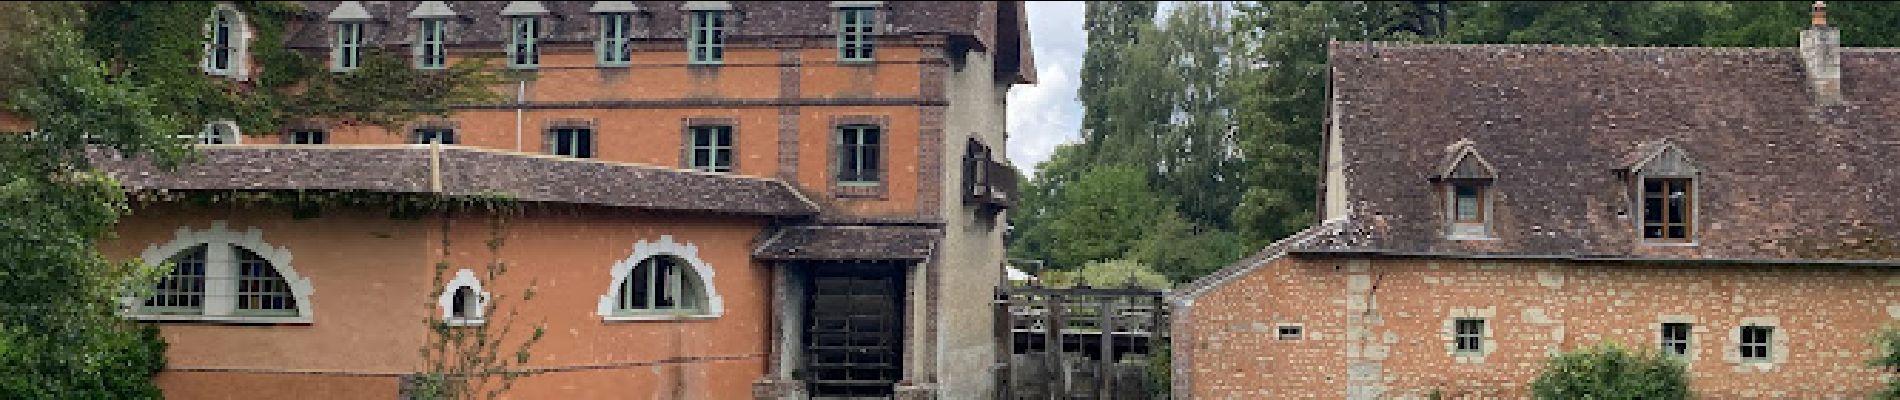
(309,136)
(223,280)
(715,162)
(216,133)
(614,46)
(855,43)
(710,304)
(236,40)
(524,34)
(429,135)
(475,312)
(348,47)
(432,43)
(706,38)
(1459,336)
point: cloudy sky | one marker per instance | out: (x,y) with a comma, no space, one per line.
(1047,114)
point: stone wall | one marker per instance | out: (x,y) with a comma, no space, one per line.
(1383,328)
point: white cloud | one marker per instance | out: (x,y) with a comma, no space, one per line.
(1047,114)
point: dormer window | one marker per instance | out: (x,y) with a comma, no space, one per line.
(614,46)
(1466,179)
(707,44)
(523,51)
(431,52)
(855,26)
(1666,180)
(349,46)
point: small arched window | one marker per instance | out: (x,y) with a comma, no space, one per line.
(661,285)
(463,301)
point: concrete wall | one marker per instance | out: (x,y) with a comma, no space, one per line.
(968,263)
(1380,328)
(372,281)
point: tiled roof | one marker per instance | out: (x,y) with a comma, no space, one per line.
(850,242)
(466,172)
(1781,176)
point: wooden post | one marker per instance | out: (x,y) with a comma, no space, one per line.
(1006,330)
(1105,375)
(1052,345)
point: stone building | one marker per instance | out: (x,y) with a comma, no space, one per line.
(721,200)
(1485,206)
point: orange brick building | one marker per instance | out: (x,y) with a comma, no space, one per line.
(1486,206)
(721,200)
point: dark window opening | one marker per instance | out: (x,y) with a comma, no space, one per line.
(571,142)
(1675,339)
(1668,209)
(858,155)
(308,137)
(1470,335)
(711,149)
(1756,342)
(430,135)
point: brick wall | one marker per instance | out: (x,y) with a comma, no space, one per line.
(1382,328)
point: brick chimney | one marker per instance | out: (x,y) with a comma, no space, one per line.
(1821,55)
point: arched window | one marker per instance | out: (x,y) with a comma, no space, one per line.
(226,38)
(463,301)
(221,275)
(661,280)
(661,284)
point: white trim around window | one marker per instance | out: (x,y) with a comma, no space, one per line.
(224,274)
(473,303)
(709,303)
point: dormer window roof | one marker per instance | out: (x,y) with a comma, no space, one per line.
(614,7)
(349,11)
(1464,163)
(524,8)
(1662,158)
(432,10)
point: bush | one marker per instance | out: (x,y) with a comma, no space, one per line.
(1888,340)
(1609,371)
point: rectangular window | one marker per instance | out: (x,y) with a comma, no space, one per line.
(349,45)
(855,26)
(571,142)
(1470,335)
(221,42)
(1675,339)
(615,38)
(1292,332)
(430,50)
(1468,202)
(1667,209)
(707,44)
(308,136)
(429,135)
(522,52)
(858,155)
(711,148)
(1755,343)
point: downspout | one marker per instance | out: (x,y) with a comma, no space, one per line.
(521,93)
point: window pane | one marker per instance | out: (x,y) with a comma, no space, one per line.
(641,284)
(722,160)
(1652,210)
(1466,201)
(666,292)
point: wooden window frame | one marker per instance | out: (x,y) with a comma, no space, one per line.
(524,49)
(1676,338)
(423,135)
(1460,336)
(349,46)
(1765,347)
(852,141)
(855,43)
(678,279)
(706,37)
(1663,223)
(578,147)
(614,47)
(432,43)
(713,149)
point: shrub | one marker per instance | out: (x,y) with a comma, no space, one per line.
(1888,340)
(1609,371)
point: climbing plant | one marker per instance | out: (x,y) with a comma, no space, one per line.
(470,361)
(1887,342)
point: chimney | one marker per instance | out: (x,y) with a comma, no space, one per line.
(1821,55)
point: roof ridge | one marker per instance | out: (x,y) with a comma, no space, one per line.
(1349,45)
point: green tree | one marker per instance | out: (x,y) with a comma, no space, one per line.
(1609,372)
(1106,211)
